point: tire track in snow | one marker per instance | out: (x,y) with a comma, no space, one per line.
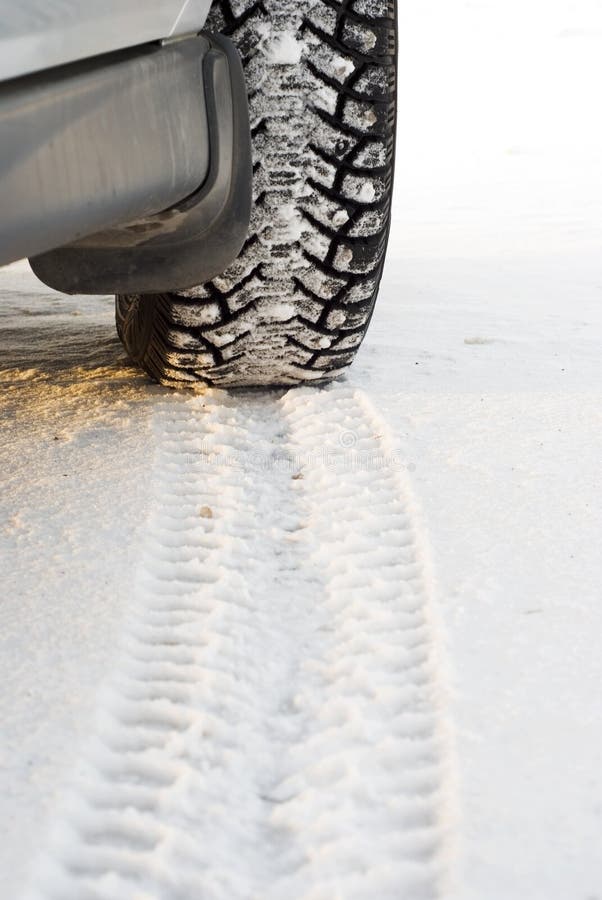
(273,727)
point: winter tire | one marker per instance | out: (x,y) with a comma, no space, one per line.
(295,306)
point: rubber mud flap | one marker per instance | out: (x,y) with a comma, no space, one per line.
(192,241)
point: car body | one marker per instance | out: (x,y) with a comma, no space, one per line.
(40,34)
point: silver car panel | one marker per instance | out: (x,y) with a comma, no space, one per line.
(38,34)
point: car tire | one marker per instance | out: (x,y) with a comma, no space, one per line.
(295,306)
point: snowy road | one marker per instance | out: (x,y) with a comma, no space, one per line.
(342,642)
(278,673)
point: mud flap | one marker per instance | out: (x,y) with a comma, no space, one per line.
(196,238)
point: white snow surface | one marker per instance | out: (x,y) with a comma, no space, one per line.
(338,643)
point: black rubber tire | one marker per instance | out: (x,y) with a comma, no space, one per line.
(295,306)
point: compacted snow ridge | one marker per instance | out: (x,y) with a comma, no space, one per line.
(273,727)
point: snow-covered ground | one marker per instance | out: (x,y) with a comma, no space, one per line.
(342,642)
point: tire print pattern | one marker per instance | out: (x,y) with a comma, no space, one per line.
(274,726)
(296,304)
